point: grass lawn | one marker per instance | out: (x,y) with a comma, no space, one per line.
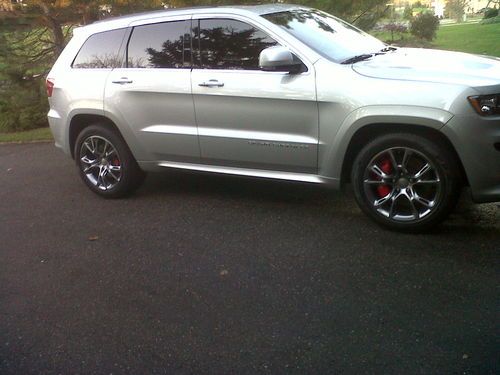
(42,134)
(473,38)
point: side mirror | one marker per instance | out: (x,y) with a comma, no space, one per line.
(279,59)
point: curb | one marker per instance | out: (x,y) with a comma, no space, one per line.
(27,142)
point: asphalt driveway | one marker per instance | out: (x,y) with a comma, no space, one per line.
(203,274)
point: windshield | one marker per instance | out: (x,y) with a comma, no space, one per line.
(329,36)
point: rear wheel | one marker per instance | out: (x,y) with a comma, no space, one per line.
(105,163)
(405,181)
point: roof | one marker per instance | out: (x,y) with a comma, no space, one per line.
(124,21)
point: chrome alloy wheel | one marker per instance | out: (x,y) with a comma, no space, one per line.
(402,184)
(100,162)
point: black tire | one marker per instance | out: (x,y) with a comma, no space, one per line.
(390,188)
(110,170)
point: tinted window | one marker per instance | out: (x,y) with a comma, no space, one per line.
(161,45)
(229,44)
(101,51)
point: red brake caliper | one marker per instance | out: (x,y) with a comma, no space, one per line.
(386,167)
(115,162)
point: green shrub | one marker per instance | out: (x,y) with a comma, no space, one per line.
(489,21)
(490,13)
(424,26)
(23,102)
(23,105)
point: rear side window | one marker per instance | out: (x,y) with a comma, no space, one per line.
(101,51)
(160,45)
(228,44)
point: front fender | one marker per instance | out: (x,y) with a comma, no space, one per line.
(333,149)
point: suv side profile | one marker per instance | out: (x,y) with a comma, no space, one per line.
(278,91)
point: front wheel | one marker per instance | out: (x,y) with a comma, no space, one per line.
(405,181)
(105,163)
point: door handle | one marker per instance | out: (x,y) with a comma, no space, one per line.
(211,83)
(122,81)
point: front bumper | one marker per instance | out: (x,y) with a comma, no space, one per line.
(477,142)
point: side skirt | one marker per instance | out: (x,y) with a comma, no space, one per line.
(289,176)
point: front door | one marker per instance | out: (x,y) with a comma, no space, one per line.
(246,117)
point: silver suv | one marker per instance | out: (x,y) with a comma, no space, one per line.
(284,92)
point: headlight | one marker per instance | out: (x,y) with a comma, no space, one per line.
(486,105)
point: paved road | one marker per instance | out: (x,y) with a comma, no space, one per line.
(222,275)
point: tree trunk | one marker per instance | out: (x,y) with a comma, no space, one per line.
(55,27)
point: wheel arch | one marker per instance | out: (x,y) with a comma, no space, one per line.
(370,131)
(81,121)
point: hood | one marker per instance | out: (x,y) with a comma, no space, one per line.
(426,65)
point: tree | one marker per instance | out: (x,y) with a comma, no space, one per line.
(424,26)
(363,13)
(408,12)
(457,8)
(6,6)
(493,2)
(56,15)
(22,102)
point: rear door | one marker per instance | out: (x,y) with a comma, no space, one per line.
(247,117)
(152,93)
(79,89)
